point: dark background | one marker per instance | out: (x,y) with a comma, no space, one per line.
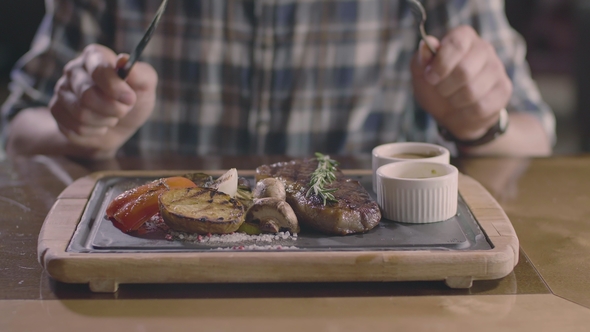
(18,22)
(555,31)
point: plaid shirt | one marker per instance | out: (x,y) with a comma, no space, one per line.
(271,76)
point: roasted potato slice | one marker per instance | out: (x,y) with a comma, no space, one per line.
(201,210)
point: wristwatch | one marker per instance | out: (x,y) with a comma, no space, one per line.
(496,130)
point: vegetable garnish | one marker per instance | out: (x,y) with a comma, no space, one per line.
(324,174)
(134,207)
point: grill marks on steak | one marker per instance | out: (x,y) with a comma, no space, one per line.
(354,211)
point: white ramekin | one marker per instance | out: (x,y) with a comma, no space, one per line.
(385,154)
(417,191)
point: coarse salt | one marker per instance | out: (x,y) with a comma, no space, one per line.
(239,241)
(259,247)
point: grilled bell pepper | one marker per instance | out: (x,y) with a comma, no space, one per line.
(134,207)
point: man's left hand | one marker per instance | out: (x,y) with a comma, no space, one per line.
(464,86)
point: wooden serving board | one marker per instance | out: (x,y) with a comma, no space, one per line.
(105,271)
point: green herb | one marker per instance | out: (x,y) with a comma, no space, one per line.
(324,174)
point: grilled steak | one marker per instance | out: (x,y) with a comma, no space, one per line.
(354,211)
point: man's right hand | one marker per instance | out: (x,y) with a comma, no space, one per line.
(95,109)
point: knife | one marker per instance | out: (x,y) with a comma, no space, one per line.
(134,56)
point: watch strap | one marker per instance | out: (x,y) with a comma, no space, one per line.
(491,134)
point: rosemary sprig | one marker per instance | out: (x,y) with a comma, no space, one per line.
(324,174)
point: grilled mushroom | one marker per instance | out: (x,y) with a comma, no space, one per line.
(270,187)
(272,215)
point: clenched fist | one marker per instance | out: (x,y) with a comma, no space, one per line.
(464,86)
(94,108)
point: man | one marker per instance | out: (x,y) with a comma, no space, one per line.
(276,77)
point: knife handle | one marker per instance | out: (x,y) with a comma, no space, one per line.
(123,72)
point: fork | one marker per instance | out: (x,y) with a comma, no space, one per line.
(420,15)
(134,56)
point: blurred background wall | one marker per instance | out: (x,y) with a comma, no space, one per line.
(18,22)
(557,33)
(552,31)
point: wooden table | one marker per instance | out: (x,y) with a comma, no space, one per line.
(547,200)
